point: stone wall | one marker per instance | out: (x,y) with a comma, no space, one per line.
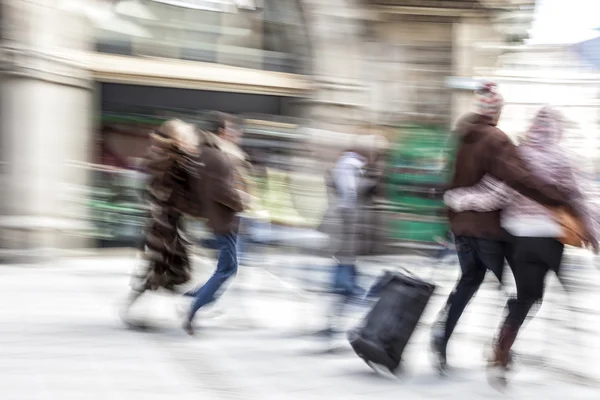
(47,111)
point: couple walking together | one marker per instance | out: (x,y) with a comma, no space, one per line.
(509,202)
(199,175)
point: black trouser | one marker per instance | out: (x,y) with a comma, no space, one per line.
(476,257)
(533,258)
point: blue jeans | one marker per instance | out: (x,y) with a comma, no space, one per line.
(345,280)
(227,266)
(345,287)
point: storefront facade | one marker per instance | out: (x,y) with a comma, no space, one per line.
(69,65)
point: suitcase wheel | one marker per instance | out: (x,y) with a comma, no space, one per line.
(372,354)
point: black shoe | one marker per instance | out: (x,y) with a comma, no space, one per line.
(188,327)
(438,351)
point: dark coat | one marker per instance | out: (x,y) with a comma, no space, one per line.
(214,188)
(485,149)
(164,243)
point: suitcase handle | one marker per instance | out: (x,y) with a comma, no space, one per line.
(417,277)
(408,272)
(411,275)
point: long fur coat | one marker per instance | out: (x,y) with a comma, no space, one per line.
(164,243)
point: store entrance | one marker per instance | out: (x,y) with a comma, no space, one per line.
(128,113)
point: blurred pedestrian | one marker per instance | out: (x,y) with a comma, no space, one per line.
(169,167)
(221,190)
(345,182)
(481,243)
(229,141)
(534,228)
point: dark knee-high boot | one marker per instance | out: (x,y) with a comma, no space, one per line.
(503,345)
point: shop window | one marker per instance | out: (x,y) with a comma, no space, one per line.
(270,36)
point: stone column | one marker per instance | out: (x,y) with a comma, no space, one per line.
(46,124)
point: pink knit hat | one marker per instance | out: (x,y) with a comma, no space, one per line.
(488,101)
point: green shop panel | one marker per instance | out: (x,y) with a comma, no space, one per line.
(419,155)
(416,200)
(416,170)
(417,230)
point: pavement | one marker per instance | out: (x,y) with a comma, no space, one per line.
(61,338)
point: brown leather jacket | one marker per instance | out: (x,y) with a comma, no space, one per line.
(214,189)
(483,148)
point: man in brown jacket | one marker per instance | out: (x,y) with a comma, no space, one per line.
(220,201)
(481,243)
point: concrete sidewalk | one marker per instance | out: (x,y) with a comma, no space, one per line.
(60,338)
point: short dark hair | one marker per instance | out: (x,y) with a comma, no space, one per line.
(228,120)
(222,119)
(218,121)
(213,122)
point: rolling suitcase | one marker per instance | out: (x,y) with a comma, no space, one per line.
(388,327)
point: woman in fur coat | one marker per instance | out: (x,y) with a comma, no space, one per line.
(169,166)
